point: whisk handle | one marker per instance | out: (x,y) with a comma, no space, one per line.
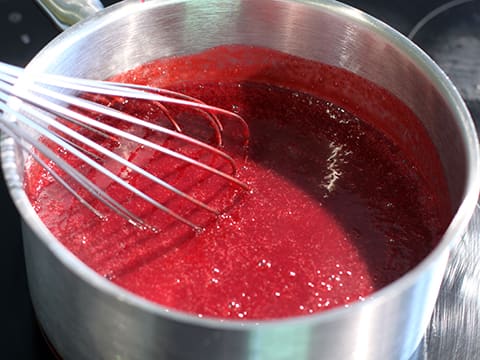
(65,13)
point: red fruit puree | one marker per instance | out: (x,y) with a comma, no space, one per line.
(340,202)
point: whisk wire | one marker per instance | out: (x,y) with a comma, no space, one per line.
(20,136)
(45,111)
(81,179)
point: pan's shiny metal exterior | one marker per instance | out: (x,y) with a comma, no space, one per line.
(87,317)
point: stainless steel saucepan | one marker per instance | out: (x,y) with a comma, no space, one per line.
(87,317)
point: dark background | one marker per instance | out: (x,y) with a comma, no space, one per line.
(24,30)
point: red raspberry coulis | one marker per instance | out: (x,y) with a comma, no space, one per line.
(339,202)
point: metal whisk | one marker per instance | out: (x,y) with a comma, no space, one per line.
(31,106)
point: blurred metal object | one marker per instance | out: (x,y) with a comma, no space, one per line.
(86,316)
(65,13)
(455,327)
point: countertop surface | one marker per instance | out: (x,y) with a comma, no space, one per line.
(448,31)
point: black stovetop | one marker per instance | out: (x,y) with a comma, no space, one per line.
(24,30)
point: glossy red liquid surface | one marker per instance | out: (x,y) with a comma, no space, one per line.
(337,206)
